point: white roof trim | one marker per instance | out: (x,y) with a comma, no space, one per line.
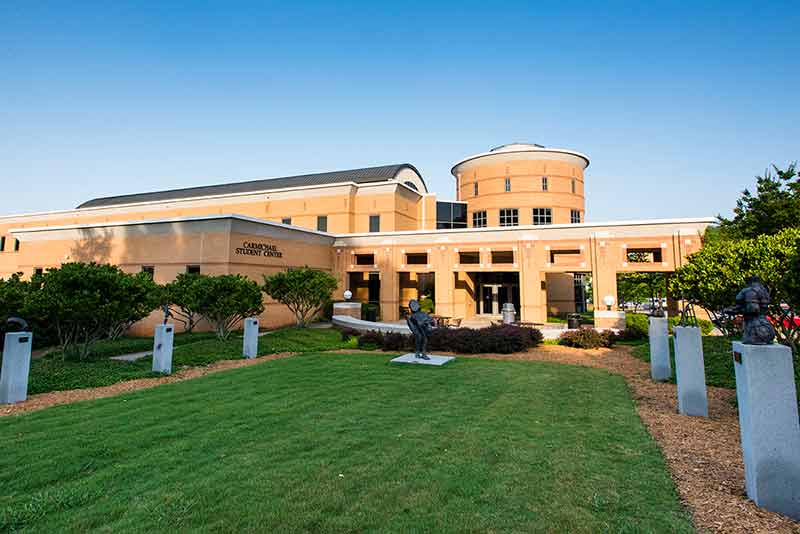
(167,221)
(520,151)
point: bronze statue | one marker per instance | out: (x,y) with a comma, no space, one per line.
(752,303)
(421,325)
(17,323)
(167,312)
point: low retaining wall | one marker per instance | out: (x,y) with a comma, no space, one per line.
(345,321)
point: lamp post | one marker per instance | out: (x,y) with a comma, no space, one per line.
(608,300)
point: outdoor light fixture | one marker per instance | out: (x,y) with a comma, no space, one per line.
(608,300)
(348,294)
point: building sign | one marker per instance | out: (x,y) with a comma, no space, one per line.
(264,250)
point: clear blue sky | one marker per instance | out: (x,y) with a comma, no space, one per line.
(677,106)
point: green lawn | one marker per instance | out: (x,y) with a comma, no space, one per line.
(345,443)
(52,374)
(717,357)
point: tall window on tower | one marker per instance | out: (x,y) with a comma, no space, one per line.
(542,216)
(508,184)
(574,216)
(509,217)
(573,186)
(475,189)
(544,183)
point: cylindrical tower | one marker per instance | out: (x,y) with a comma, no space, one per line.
(521,184)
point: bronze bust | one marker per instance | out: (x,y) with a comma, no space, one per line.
(752,303)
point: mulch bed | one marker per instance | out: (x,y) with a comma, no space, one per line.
(54,398)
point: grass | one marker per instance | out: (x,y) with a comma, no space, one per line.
(717,358)
(345,443)
(51,373)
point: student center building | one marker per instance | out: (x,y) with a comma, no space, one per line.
(516,233)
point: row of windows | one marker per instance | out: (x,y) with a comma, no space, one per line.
(545,185)
(3,244)
(322,223)
(510,217)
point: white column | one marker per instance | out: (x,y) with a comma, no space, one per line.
(16,367)
(162,348)
(660,367)
(768,422)
(250,343)
(690,371)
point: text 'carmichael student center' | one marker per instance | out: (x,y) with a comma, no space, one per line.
(516,234)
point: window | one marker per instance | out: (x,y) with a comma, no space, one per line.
(508,184)
(374,223)
(573,186)
(469,257)
(2,243)
(479,219)
(542,216)
(16,245)
(192,269)
(365,259)
(417,258)
(451,215)
(644,255)
(574,216)
(509,217)
(503,256)
(38,271)
(322,223)
(286,220)
(475,189)
(149,269)
(544,183)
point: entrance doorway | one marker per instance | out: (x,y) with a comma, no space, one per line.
(494,290)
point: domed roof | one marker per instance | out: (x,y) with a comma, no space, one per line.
(515,146)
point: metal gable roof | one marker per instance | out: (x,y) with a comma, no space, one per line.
(359,176)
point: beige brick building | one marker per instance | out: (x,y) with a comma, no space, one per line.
(516,233)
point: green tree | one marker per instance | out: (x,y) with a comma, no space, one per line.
(183,298)
(85,302)
(713,276)
(774,206)
(13,293)
(636,288)
(226,300)
(304,291)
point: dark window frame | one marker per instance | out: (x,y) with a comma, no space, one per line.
(374,219)
(509,216)
(542,216)
(193,269)
(479,217)
(545,184)
(364,259)
(416,258)
(469,255)
(322,223)
(507,185)
(575,216)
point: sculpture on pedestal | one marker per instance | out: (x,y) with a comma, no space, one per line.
(17,324)
(420,324)
(752,303)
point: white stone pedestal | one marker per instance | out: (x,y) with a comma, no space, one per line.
(250,343)
(16,366)
(162,348)
(768,421)
(351,309)
(660,368)
(434,359)
(690,371)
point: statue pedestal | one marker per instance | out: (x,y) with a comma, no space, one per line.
(690,371)
(16,367)
(250,343)
(660,368)
(162,349)
(768,421)
(434,359)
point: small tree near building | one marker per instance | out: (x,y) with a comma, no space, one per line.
(226,300)
(304,291)
(183,298)
(86,302)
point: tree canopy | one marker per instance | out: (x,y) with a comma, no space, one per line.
(304,291)
(773,207)
(226,300)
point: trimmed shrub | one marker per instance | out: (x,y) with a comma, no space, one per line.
(502,339)
(305,291)
(630,334)
(638,323)
(348,333)
(397,341)
(587,338)
(370,340)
